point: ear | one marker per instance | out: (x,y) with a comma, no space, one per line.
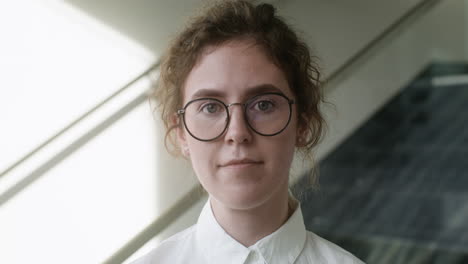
(181,135)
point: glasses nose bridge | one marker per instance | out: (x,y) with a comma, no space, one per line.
(233,104)
(243,105)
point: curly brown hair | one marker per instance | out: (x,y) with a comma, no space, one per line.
(230,20)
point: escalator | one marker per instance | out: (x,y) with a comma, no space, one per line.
(396,191)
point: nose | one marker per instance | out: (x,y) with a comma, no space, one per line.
(238,130)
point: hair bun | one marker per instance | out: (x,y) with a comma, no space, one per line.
(265,12)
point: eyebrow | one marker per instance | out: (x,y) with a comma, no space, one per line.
(263,88)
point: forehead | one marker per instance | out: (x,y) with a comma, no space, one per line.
(233,71)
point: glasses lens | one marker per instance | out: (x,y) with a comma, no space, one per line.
(205,118)
(268,114)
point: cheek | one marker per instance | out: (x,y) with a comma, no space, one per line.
(202,156)
(280,151)
(287,145)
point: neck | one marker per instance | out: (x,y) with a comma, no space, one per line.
(250,225)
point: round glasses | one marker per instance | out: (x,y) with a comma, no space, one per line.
(266,114)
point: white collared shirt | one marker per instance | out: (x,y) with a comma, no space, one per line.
(207,242)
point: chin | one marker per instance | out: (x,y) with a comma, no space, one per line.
(242,199)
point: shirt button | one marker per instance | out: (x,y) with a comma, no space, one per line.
(255,257)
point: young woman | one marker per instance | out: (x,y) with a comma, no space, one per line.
(239,93)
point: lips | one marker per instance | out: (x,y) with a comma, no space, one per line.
(240,162)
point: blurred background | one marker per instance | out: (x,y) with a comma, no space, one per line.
(85,178)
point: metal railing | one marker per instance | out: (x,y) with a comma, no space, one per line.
(76,144)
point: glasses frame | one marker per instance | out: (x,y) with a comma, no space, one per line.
(181,112)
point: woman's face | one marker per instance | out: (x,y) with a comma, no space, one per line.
(233,73)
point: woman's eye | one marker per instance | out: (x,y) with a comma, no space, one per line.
(210,108)
(264,105)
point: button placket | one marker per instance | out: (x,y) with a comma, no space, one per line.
(256,258)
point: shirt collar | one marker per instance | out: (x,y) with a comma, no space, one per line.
(215,243)
(282,246)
